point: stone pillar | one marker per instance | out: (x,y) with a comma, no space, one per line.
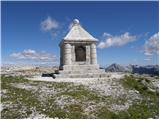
(67,54)
(61,57)
(73,54)
(93,54)
(88,54)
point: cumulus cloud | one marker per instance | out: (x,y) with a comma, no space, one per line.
(33,55)
(151,46)
(111,41)
(105,34)
(147,59)
(49,24)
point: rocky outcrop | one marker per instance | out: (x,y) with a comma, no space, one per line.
(115,68)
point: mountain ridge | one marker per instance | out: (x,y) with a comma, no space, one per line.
(140,69)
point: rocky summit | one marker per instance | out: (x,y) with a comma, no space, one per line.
(25,93)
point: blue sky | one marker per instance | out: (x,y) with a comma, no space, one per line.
(128,30)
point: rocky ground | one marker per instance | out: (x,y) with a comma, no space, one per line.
(27,70)
(120,95)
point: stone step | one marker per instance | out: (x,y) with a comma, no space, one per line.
(80,71)
(80,67)
(86,75)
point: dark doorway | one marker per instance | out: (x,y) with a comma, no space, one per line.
(80,52)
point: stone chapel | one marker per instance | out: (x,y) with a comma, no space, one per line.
(78,56)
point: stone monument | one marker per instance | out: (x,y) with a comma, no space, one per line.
(78,56)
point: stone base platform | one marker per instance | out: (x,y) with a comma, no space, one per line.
(82,71)
(79,67)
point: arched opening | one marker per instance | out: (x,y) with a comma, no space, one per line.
(80,53)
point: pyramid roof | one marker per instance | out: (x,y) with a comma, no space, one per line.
(78,33)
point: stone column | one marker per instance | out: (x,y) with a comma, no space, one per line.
(93,54)
(73,54)
(88,54)
(67,54)
(61,57)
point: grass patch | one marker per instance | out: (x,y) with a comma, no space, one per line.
(148,107)
(132,82)
(82,93)
(21,98)
(141,110)
(74,111)
(18,97)
(28,99)
(104,113)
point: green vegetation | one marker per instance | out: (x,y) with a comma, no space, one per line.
(139,110)
(21,102)
(148,107)
(22,98)
(16,97)
(104,113)
(82,93)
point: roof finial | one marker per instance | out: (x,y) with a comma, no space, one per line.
(75,21)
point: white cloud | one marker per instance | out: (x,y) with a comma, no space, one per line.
(49,24)
(120,40)
(105,34)
(33,55)
(151,46)
(148,54)
(147,59)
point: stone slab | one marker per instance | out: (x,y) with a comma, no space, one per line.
(80,67)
